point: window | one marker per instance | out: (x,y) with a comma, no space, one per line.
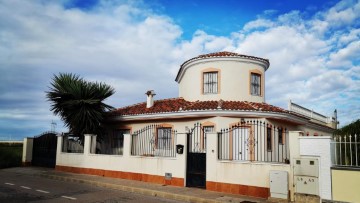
(208,129)
(210,82)
(164,138)
(268,139)
(255,84)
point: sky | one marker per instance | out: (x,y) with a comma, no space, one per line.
(135,46)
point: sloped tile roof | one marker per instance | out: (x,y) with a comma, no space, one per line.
(225,54)
(180,104)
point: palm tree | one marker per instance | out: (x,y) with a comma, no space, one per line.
(79,103)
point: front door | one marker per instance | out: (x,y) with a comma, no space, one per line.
(196,157)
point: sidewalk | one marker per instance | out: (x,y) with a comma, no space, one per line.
(169,192)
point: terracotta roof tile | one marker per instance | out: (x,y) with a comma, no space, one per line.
(179,104)
(225,54)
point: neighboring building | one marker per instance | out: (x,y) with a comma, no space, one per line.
(231,137)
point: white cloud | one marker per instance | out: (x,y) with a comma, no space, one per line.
(345,56)
(134,49)
(256,24)
(343,13)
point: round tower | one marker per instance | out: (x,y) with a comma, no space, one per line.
(223,75)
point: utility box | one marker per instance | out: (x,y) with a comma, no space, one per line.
(307,185)
(306,167)
(306,176)
(279,184)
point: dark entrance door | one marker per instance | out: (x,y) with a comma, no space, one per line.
(44,150)
(196,158)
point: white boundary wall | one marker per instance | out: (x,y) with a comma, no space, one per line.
(319,147)
(125,163)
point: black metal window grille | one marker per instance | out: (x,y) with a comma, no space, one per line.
(210,82)
(255,84)
(154,140)
(164,138)
(247,141)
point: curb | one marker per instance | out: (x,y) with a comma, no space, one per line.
(142,191)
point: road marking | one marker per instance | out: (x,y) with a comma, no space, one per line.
(43,191)
(72,198)
(9,184)
(28,188)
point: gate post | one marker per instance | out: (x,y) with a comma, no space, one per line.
(211,160)
(87,143)
(182,140)
(27,151)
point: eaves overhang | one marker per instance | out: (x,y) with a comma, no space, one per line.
(210,113)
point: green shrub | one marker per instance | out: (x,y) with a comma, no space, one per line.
(10,154)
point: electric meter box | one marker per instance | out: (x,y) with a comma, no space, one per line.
(306,175)
(279,184)
(306,167)
(307,185)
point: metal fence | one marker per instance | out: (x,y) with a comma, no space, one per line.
(72,144)
(346,150)
(111,143)
(254,140)
(154,140)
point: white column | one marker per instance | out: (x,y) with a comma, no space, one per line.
(87,143)
(294,147)
(27,150)
(59,144)
(211,157)
(127,145)
(181,158)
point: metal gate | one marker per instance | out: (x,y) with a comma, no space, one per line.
(196,157)
(44,150)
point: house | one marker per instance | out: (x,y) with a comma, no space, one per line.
(219,134)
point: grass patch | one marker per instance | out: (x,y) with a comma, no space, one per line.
(10,154)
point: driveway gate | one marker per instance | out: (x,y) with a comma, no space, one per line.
(44,150)
(196,157)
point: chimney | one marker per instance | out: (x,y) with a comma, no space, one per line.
(150,98)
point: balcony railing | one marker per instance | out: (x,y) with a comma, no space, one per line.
(309,113)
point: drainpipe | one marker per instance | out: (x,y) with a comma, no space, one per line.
(150,98)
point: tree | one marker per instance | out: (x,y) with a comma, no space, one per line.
(350,129)
(79,103)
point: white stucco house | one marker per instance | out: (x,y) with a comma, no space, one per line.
(219,134)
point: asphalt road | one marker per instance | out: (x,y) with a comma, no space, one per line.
(17,188)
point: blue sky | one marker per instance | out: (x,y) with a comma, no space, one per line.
(313,48)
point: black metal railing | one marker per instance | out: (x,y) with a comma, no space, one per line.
(154,140)
(254,140)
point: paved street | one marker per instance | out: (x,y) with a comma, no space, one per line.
(16,187)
